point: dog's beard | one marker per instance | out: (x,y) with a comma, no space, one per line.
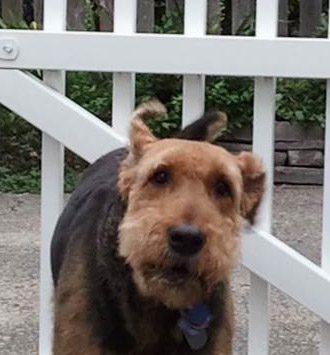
(174,286)
(163,276)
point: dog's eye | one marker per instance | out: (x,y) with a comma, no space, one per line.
(222,189)
(161,177)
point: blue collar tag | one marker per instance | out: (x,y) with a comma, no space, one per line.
(194,323)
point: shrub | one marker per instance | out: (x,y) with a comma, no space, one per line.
(301,101)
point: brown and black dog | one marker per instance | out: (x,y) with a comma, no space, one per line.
(143,252)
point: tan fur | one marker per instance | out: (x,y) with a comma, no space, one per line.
(72,332)
(253,184)
(195,166)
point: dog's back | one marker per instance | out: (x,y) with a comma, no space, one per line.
(96,190)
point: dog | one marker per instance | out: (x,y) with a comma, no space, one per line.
(142,254)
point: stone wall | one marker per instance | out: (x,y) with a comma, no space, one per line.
(299,152)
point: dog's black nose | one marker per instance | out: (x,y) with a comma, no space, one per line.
(186,240)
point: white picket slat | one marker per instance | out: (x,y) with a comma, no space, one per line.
(171,54)
(325,327)
(52,166)
(123,83)
(52,180)
(263,146)
(195,18)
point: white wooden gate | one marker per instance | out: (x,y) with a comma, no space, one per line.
(193,54)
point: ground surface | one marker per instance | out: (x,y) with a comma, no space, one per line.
(294,330)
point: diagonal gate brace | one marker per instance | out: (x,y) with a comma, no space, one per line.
(56,115)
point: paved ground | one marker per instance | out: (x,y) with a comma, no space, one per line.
(294,330)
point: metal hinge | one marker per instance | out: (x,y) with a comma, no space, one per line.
(8,49)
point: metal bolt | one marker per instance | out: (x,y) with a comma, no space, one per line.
(8,49)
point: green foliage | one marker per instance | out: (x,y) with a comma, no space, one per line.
(215,24)
(322,30)
(301,101)
(30,180)
(170,24)
(26,181)
(90,15)
(20,143)
(93,91)
(232,95)
(21,25)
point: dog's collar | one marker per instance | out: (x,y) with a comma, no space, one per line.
(194,323)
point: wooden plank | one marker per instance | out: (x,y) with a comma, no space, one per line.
(145,15)
(106,8)
(241,10)
(310,17)
(283,12)
(28,12)
(12,11)
(76,15)
(38,11)
(214,9)
(174,6)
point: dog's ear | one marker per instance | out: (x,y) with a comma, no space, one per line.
(253,174)
(206,128)
(140,135)
(140,139)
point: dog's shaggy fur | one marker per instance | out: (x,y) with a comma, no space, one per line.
(119,286)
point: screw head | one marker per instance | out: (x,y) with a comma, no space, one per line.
(8,49)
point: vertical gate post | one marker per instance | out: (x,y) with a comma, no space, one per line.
(52,165)
(263,146)
(123,83)
(325,327)
(195,19)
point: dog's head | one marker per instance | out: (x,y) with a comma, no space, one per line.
(186,200)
